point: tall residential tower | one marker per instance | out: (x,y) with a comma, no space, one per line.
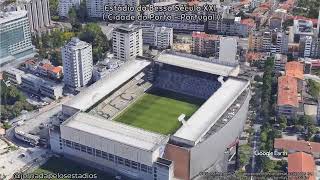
(127,42)
(77,63)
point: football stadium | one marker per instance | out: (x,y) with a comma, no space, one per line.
(171,117)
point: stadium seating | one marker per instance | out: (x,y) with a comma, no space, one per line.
(187,81)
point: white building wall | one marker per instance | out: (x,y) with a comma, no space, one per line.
(228,51)
(211,151)
(127,45)
(77,63)
(65,5)
(107,145)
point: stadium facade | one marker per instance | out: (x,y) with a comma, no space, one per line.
(86,131)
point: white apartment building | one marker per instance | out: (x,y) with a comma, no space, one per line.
(77,63)
(65,5)
(51,90)
(96,8)
(158,37)
(309,47)
(127,42)
(38,14)
(13,75)
(31,83)
(15,36)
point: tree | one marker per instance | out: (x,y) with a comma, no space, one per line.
(282,122)
(93,34)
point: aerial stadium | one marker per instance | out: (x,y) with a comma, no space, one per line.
(171,117)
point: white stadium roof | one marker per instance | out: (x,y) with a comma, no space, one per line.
(94,93)
(210,112)
(116,131)
(189,62)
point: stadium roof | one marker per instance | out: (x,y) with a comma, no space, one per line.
(196,63)
(210,112)
(116,131)
(91,95)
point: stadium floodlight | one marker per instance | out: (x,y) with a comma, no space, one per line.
(181,119)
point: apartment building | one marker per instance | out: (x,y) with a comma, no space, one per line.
(127,42)
(13,75)
(157,37)
(309,46)
(65,5)
(77,63)
(205,45)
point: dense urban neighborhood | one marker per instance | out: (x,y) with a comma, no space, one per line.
(160,89)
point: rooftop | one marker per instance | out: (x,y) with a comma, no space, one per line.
(210,112)
(76,43)
(126,28)
(91,95)
(294,69)
(208,65)
(115,131)
(294,145)
(6,17)
(203,35)
(301,162)
(14,71)
(287,91)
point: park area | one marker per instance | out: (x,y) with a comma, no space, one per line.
(158,111)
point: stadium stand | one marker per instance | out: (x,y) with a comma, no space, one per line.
(187,81)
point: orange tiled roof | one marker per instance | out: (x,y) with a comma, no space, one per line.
(294,145)
(47,66)
(294,69)
(287,91)
(301,162)
(254,56)
(205,36)
(56,70)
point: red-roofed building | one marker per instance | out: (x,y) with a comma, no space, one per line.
(294,69)
(55,72)
(297,146)
(299,163)
(287,100)
(205,45)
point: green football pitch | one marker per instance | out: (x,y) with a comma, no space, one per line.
(158,111)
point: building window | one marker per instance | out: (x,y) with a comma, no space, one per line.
(83,148)
(89,150)
(104,155)
(120,160)
(134,165)
(98,153)
(149,169)
(127,162)
(144,168)
(111,157)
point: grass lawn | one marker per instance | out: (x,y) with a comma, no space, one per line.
(65,166)
(158,111)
